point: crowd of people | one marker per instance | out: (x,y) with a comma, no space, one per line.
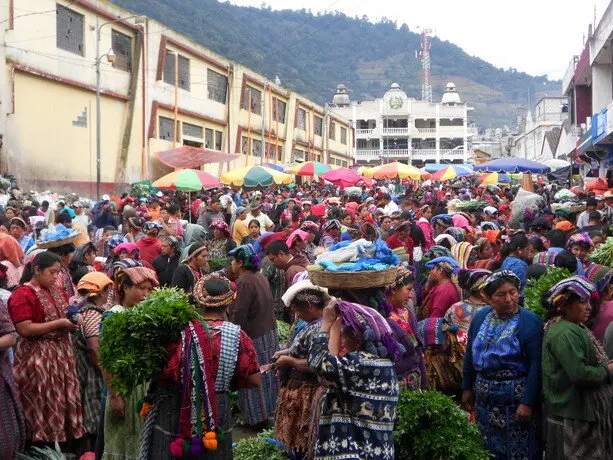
(454,319)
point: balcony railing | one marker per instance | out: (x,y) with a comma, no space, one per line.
(396,152)
(426,131)
(396,131)
(364,132)
(417,154)
(367,154)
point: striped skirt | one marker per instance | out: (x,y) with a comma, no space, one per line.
(259,404)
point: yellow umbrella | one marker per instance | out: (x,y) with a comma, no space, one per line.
(256,176)
(362,170)
(395,170)
(489,178)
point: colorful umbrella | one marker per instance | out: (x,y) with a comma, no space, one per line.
(451,172)
(310,169)
(274,166)
(187,180)
(396,170)
(495,178)
(344,177)
(255,176)
(513,165)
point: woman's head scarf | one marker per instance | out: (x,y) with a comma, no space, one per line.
(137,275)
(368,325)
(461,253)
(331,223)
(437,251)
(560,292)
(221,225)
(78,256)
(247,255)
(93,283)
(458,233)
(305,291)
(493,236)
(445,237)
(498,278)
(214,291)
(580,239)
(309,226)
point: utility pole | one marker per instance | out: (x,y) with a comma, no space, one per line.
(176,111)
(424,55)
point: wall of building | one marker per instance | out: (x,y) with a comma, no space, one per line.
(602,85)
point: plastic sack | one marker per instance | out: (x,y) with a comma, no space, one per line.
(526,203)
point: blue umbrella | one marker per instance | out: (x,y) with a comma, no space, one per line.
(276,167)
(513,165)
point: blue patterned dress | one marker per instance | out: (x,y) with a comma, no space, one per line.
(501,376)
(358,409)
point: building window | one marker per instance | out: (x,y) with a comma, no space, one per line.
(332,133)
(301,119)
(255,98)
(122,47)
(192,130)
(69,30)
(169,71)
(166,128)
(318,125)
(343,136)
(208,138)
(245,145)
(278,110)
(217,86)
(218,140)
(256,148)
(298,155)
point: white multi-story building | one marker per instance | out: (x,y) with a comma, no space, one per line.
(396,127)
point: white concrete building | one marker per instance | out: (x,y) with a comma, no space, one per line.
(396,127)
(537,134)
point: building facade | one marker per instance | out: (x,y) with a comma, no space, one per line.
(398,128)
(48,91)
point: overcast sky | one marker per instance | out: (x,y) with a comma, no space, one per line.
(534,36)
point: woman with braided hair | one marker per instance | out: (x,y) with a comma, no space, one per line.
(577,376)
(233,365)
(300,390)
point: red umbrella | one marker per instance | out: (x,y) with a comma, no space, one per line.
(343,177)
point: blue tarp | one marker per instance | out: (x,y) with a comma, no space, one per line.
(513,165)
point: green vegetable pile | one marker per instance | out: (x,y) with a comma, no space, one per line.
(604,254)
(283,329)
(472,206)
(133,343)
(258,448)
(430,425)
(537,287)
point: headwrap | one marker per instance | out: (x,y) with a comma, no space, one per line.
(578,285)
(491,210)
(445,219)
(115,241)
(148,226)
(137,275)
(499,275)
(240,210)
(544,258)
(402,275)
(448,264)
(195,252)
(580,239)
(493,236)
(309,226)
(458,233)
(247,255)
(565,226)
(130,248)
(136,222)
(461,253)
(304,291)
(367,324)
(331,223)
(122,265)
(208,300)
(221,225)
(437,251)
(297,234)
(445,237)
(78,256)
(94,282)
(460,221)
(489,226)
(476,279)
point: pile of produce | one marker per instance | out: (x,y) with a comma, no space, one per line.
(429,425)
(133,343)
(604,254)
(472,206)
(283,329)
(537,287)
(262,446)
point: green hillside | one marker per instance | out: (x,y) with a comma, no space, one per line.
(312,53)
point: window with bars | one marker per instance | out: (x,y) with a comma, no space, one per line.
(332,131)
(122,47)
(343,136)
(169,71)
(192,130)
(256,148)
(208,138)
(298,155)
(278,110)
(166,128)
(245,145)
(255,99)
(217,86)
(318,125)
(301,119)
(69,33)
(218,140)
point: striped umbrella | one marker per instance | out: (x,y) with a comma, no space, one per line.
(255,176)
(496,178)
(451,172)
(275,166)
(310,169)
(396,170)
(187,180)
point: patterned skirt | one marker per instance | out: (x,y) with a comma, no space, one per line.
(46,377)
(506,438)
(294,414)
(122,435)
(259,404)
(12,429)
(160,427)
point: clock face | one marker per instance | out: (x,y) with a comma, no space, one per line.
(396,102)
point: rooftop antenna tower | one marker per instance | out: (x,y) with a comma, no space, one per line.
(424,56)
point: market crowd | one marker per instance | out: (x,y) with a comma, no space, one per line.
(460,296)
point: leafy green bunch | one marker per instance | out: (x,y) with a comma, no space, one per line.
(430,425)
(604,254)
(284,331)
(537,287)
(472,206)
(259,447)
(133,343)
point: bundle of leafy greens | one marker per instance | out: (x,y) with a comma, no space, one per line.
(284,331)
(262,446)
(133,343)
(604,254)
(537,287)
(429,425)
(472,206)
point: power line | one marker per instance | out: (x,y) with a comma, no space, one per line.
(33,13)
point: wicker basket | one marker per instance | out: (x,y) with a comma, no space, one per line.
(56,243)
(353,280)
